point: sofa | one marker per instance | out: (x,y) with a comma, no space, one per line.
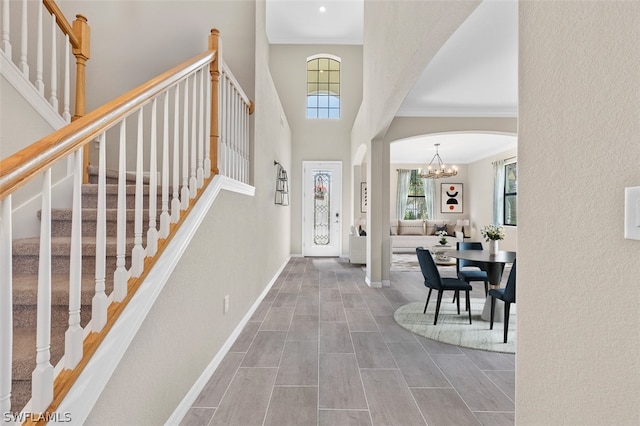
(407,235)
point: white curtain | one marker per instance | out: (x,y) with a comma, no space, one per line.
(430,197)
(498,192)
(403,191)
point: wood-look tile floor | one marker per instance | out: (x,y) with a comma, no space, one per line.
(323,349)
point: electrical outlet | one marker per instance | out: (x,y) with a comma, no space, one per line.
(225,309)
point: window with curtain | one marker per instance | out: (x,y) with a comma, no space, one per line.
(416,206)
(510,210)
(323,87)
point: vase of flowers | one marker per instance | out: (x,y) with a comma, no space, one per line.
(493,234)
(443,237)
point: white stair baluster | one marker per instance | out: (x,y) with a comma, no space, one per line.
(175,200)
(246,144)
(66,115)
(234,137)
(39,54)
(53,100)
(24,31)
(42,376)
(165,219)
(222,152)
(225,121)
(121,275)
(152,232)
(6,41)
(99,303)
(193,182)
(200,170)
(6,305)
(74,334)
(184,195)
(138,253)
(207,117)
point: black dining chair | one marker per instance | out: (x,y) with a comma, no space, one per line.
(508,296)
(469,275)
(433,281)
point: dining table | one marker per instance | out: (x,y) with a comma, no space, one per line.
(494,266)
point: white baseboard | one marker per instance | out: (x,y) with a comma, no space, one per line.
(188,400)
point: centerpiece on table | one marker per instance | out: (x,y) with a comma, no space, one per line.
(443,237)
(493,234)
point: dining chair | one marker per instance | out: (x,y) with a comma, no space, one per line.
(433,281)
(469,275)
(508,296)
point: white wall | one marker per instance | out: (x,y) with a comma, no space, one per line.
(316,140)
(578,358)
(481,199)
(20,124)
(238,249)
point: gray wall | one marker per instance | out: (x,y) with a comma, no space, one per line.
(578,293)
(315,140)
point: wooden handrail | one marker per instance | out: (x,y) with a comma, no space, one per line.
(64,25)
(23,166)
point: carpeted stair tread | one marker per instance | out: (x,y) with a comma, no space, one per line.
(89,214)
(25,289)
(61,246)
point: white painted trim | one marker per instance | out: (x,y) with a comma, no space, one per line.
(13,75)
(191,396)
(386,283)
(94,378)
(446,111)
(372,284)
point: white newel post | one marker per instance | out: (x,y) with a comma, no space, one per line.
(152,232)
(175,200)
(74,334)
(121,275)
(42,376)
(138,253)
(99,303)
(6,305)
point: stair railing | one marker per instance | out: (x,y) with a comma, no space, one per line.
(174,110)
(76,38)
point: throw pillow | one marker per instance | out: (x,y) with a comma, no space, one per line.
(438,228)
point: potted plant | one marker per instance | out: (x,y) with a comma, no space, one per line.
(443,237)
(493,234)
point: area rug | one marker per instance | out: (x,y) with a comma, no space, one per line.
(455,329)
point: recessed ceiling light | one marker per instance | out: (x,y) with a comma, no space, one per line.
(322,9)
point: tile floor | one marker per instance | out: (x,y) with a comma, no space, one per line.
(323,349)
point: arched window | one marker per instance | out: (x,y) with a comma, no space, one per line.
(323,86)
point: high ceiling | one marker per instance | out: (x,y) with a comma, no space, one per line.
(475,74)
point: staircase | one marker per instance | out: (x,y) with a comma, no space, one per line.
(25,267)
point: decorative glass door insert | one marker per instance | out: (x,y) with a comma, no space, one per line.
(322,207)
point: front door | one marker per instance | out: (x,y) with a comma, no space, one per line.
(321,212)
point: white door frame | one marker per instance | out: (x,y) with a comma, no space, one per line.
(335,163)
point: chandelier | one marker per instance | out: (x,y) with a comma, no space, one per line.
(436,168)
